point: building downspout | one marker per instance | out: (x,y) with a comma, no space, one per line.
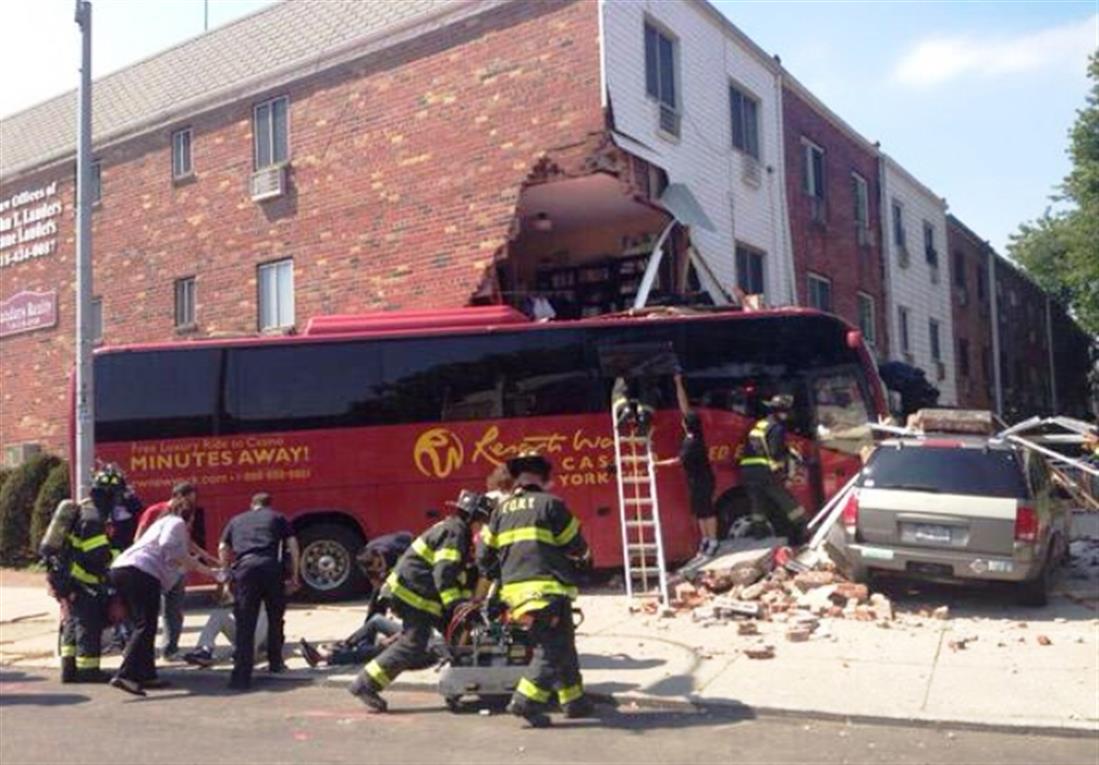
(784,211)
(604,97)
(895,350)
(995,308)
(1052,365)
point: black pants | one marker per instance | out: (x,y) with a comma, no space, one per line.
(408,651)
(556,667)
(141,592)
(81,634)
(257,582)
(771,501)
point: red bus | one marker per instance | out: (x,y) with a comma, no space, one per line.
(364,425)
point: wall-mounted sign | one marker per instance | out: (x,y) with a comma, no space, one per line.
(27,311)
(28,224)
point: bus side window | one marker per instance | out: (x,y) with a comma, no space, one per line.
(550,376)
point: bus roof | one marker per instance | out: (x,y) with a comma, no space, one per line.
(384,324)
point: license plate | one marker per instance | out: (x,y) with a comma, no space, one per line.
(925,532)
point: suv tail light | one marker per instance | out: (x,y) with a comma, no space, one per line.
(1026,525)
(850,516)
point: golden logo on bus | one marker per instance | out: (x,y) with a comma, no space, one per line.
(438,453)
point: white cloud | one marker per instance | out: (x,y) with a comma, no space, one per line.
(936,60)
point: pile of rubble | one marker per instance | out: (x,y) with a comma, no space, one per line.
(762,580)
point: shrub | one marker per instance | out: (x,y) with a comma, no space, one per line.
(17,504)
(54,489)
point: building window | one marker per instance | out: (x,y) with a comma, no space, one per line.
(868,319)
(902,319)
(820,293)
(95,188)
(749,270)
(929,245)
(862,201)
(185,302)
(745,119)
(899,237)
(812,169)
(933,334)
(276,294)
(97,320)
(181,154)
(660,53)
(271,132)
(963,356)
(959,269)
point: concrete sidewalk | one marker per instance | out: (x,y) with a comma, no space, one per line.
(1003,676)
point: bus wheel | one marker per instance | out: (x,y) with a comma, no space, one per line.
(328,569)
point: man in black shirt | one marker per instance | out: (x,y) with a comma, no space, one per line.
(257,539)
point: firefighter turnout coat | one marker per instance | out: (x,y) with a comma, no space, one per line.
(529,544)
(431,575)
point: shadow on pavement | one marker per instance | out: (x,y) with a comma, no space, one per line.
(19,699)
(16,676)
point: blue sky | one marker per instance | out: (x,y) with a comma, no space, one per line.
(974,98)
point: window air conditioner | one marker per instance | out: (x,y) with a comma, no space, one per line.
(902,256)
(940,370)
(16,454)
(963,296)
(816,209)
(268,183)
(668,120)
(934,274)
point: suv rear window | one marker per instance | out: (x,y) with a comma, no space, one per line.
(993,473)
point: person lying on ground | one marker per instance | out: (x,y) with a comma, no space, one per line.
(222,622)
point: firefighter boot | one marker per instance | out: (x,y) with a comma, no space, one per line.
(68,669)
(91,676)
(579,708)
(365,692)
(533,712)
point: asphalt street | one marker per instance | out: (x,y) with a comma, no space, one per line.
(199,721)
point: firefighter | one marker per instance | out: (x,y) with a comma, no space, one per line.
(764,465)
(125,507)
(85,602)
(424,589)
(534,547)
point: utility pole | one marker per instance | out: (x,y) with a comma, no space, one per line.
(85,384)
(205,15)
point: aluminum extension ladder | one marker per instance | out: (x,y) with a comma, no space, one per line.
(639,507)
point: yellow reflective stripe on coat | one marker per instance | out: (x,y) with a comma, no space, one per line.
(448,553)
(81,574)
(453,594)
(488,538)
(87,662)
(68,651)
(411,598)
(524,597)
(570,693)
(377,674)
(420,548)
(568,533)
(86,545)
(532,691)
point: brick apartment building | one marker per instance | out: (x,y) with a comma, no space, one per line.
(833,196)
(423,154)
(972,313)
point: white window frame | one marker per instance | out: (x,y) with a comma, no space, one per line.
(896,210)
(870,331)
(904,328)
(269,105)
(186,302)
(275,286)
(677,82)
(862,202)
(809,181)
(185,167)
(751,252)
(745,95)
(810,279)
(935,339)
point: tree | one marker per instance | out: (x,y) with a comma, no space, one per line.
(1061,250)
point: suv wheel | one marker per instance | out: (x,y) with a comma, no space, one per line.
(1035,593)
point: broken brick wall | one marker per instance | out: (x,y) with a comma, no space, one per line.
(405,169)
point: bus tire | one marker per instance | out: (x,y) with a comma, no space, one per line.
(328,570)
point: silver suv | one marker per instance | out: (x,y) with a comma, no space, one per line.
(957,508)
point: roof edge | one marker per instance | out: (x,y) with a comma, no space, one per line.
(899,168)
(735,32)
(398,34)
(825,111)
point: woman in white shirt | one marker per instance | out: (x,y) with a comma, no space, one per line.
(153,563)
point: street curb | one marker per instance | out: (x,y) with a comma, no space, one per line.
(735,710)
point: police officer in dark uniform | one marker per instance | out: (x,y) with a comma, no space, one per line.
(533,546)
(85,593)
(257,539)
(428,583)
(764,465)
